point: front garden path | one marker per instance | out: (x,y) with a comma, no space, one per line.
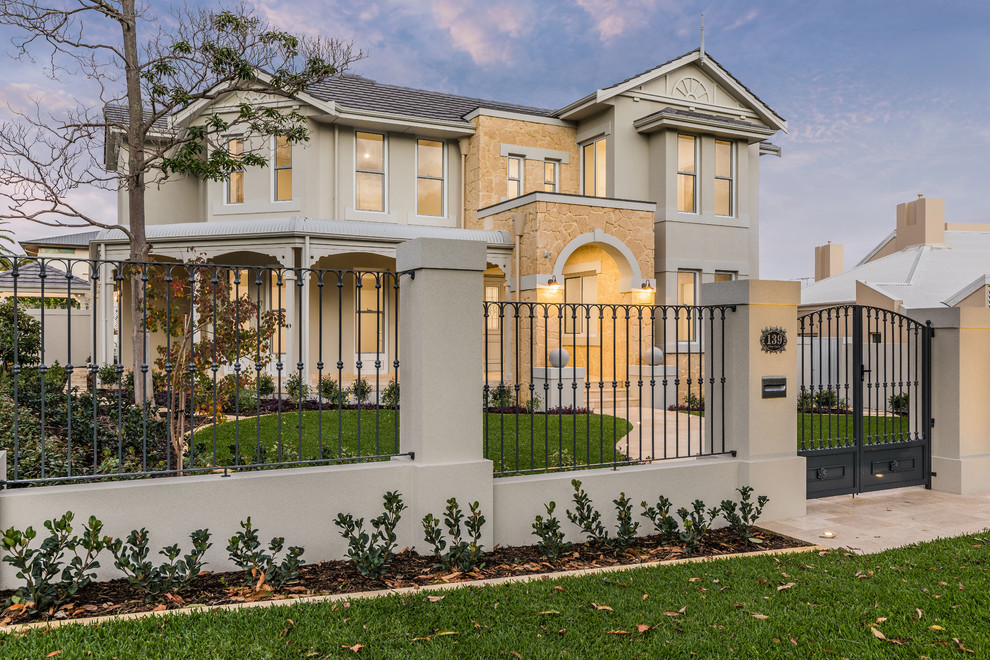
(871,522)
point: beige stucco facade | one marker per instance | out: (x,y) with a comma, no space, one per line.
(629,237)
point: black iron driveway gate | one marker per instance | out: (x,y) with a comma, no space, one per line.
(864,407)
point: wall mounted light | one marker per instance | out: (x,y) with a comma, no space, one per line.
(647,286)
(553,283)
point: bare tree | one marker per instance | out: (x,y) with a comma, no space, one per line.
(155,75)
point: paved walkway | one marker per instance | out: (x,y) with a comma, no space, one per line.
(885,519)
(660,433)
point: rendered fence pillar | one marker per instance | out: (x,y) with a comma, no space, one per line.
(441,339)
(762,431)
(960,439)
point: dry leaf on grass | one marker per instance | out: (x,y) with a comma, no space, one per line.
(602,607)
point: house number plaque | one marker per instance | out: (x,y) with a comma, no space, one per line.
(773,340)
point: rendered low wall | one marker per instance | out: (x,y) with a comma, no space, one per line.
(441,424)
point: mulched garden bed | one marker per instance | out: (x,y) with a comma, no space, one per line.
(407,570)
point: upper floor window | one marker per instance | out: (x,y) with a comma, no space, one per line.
(514,179)
(594,168)
(283,169)
(369,172)
(235,180)
(551,172)
(724,178)
(430,177)
(725,275)
(687,174)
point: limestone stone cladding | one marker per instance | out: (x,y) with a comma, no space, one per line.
(485,169)
(552,226)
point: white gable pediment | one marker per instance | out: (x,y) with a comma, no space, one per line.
(693,80)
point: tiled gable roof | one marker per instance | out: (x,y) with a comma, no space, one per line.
(362,93)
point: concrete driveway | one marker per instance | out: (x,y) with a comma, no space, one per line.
(871,522)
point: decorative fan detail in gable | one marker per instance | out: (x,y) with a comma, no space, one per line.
(691,89)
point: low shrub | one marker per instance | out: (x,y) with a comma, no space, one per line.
(696,524)
(173,576)
(372,553)
(296,388)
(264,569)
(625,533)
(900,404)
(107,374)
(551,543)
(360,391)
(587,518)
(330,391)
(742,518)
(266,385)
(500,396)
(54,572)
(665,524)
(390,395)
(460,553)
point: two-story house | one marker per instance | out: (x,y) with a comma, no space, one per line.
(635,193)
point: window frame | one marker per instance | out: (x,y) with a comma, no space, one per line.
(689,319)
(442,179)
(276,168)
(581,331)
(227,187)
(731,178)
(694,175)
(593,143)
(381,311)
(733,275)
(555,181)
(383,172)
(520,180)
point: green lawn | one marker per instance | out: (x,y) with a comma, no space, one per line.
(544,441)
(928,600)
(816,426)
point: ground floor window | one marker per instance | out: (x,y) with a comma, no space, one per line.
(687,294)
(580,290)
(370,315)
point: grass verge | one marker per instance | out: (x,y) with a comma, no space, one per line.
(925,600)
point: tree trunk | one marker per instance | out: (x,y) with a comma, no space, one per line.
(140,250)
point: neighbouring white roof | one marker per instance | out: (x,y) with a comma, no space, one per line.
(920,276)
(386,232)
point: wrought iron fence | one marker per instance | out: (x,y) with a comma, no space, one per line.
(583,385)
(237,367)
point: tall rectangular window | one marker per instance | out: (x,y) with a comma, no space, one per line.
(493,293)
(724,178)
(235,180)
(429,177)
(277,303)
(687,174)
(580,290)
(369,172)
(551,170)
(370,317)
(283,169)
(687,294)
(514,178)
(595,168)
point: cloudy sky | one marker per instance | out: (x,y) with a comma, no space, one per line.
(884,100)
